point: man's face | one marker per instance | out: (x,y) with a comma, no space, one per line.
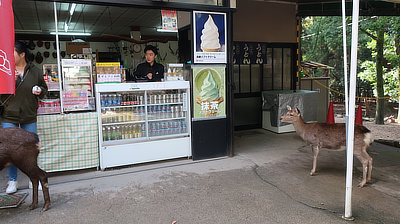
(150,56)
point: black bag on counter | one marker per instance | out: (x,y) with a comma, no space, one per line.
(1,109)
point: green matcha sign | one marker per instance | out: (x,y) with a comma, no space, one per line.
(209,94)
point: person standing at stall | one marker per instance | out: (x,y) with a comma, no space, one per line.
(20,110)
(150,70)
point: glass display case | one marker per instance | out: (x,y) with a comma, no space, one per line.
(77,84)
(143,122)
(51,103)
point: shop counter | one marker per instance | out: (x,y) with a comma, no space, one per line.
(68,141)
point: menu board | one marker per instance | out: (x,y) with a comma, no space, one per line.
(108,72)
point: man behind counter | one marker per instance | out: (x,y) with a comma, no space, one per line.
(149,70)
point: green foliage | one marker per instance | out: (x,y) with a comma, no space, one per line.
(322,41)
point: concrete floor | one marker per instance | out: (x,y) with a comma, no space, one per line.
(266,181)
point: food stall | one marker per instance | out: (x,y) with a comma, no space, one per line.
(78,130)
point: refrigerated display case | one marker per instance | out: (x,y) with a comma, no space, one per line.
(51,103)
(77,84)
(143,122)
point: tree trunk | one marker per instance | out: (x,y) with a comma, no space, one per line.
(380,104)
(397,47)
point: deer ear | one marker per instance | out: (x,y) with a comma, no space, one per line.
(298,111)
(288,107)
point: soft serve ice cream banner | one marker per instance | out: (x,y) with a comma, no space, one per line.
(210,37)
(209,91)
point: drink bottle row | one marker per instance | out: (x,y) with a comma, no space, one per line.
(126,99)
(131,131)
(126,114)
(120,99)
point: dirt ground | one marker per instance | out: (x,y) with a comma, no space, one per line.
(389,131)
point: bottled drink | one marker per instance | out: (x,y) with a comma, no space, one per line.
(158,111)
(169,115)
(170,125)
(176,127)
(112,133)
(184,130)
(143,127)
(161,131)
(120,114)
(103,116)
(128,132)
(125,113)
(140,100)
(104,134)
(118,133)
(108,133)
(157,132)
(123,131)
(113,99)
(152,129)
(107,100)
(128,114)
(102,100)
(119,99)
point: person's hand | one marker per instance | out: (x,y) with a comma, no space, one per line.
(150,75)
(36,90)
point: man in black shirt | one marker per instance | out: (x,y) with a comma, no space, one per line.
(149,70)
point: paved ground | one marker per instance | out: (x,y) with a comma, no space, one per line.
(266,181)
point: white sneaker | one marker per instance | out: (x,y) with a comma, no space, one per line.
(31,185)
(12,187)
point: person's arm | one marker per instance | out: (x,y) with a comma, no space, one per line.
(43,86)
(139,72)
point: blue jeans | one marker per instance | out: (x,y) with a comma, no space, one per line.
(32,127)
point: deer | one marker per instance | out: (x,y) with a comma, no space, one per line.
(332,136)
(21,148)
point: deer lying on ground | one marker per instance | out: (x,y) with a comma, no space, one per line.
(20,148)
(333,137)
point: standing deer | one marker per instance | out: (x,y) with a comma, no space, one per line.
(20,148)
(333,137)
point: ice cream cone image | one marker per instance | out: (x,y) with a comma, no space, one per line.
(209,50)
(210,36)
(209,97)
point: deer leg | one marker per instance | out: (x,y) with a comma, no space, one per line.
(369,173)
(35,183)
(45,188)
(315,150)
(365,166)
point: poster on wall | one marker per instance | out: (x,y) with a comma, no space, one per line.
(209,37)
(7,65)
(169,20)
(209,93)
